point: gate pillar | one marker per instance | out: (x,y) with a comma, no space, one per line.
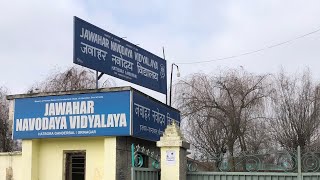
(173,154)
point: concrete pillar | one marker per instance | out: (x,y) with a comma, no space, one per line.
(110,155)
(30,161)
(173,154)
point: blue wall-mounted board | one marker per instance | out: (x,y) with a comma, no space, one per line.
(151,117)
(96,114)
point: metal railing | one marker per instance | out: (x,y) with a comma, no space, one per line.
(276,165)
(140,164)
(138,152)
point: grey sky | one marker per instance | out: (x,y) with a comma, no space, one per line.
(36,36)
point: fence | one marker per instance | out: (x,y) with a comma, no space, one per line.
(251,176)
(282,165)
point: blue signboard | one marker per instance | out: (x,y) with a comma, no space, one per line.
(97,114)
(150,117)
(100,50)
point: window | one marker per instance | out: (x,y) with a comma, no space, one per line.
(75,165)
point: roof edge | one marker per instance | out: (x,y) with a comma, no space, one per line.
(59,93)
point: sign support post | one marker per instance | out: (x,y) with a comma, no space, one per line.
(97,80)
(164,57)
(98,77)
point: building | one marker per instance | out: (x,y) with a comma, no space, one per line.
(82,134)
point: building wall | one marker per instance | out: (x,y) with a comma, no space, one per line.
(10,165)
(124,155)
(107,158)
(44,159)
(51,157)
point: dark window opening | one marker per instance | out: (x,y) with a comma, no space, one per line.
(75,165)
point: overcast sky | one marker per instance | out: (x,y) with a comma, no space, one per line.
(36,35)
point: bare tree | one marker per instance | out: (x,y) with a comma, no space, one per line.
(213,138)
(296,110)
(74,78)
(6,143)
(219,108)
(258,137)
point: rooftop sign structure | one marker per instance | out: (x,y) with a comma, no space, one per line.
(117,112)
(100,50)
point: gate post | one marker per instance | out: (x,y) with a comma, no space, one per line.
(173,154)
(299,164)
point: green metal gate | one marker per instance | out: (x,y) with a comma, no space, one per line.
(145,164)
(144,173)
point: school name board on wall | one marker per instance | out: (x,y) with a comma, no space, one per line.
(121,113)
(99,114)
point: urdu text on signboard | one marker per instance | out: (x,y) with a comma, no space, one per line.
(100,50)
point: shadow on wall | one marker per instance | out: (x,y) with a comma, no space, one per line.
(10,165)
(9,173)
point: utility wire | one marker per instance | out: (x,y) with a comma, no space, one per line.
(255,51)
